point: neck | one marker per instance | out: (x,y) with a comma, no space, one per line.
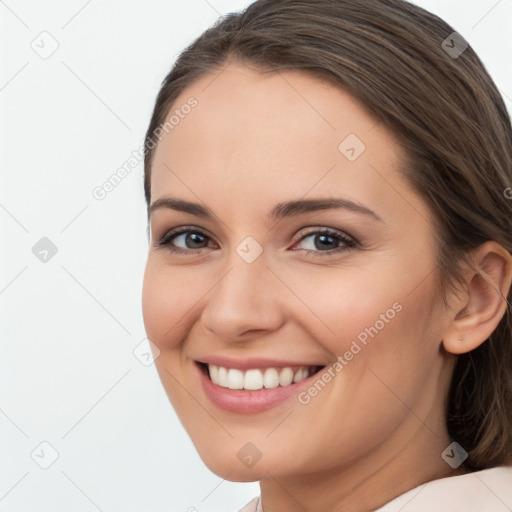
(400,464)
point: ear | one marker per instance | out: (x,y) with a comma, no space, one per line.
(477,314)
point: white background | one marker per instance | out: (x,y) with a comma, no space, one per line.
(69,326)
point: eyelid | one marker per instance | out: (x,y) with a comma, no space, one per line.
(324,229)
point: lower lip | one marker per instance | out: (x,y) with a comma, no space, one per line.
(243,401)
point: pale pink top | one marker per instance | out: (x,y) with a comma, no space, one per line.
(489,490)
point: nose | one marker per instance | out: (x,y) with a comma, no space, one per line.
(244,301)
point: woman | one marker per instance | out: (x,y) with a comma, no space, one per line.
(328,189)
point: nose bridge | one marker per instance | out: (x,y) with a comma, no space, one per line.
(242,299)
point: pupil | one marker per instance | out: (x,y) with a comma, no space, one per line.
(194,238)
(324,238)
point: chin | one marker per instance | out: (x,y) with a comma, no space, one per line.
(231,468)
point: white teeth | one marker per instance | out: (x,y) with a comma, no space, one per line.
(300,374)
(286,376)
(271,378)
(223,377)
(235,379)
(255,379)
(214,373)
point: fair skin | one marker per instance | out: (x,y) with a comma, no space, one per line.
(253,141)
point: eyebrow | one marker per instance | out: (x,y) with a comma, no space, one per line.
(280,211)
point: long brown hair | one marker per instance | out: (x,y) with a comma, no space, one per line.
(399,60)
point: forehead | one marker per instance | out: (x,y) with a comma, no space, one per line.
(264,134)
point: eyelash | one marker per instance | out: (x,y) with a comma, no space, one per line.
(349,242)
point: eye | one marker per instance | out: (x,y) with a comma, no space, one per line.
(326,242)
(193,239)
(320,242)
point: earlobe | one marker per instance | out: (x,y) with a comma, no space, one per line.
(478,313)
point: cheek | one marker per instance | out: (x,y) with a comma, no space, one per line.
(376,385)
(380,333)
(168,298)
(339,305)
(167,304)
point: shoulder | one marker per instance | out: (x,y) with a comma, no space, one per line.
(489,490)
(252,506)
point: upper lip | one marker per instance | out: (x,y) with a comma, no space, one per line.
(253,362)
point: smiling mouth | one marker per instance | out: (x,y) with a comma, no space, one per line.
(255,379)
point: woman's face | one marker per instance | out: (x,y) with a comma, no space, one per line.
(270,282)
